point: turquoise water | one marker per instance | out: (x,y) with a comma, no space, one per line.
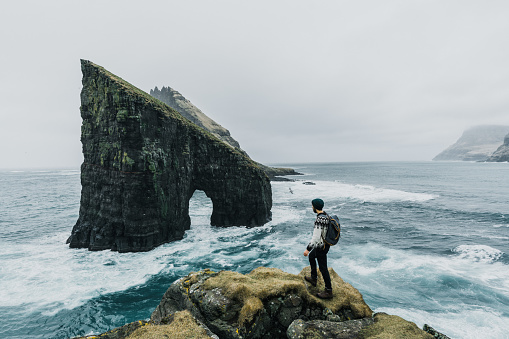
(426,241)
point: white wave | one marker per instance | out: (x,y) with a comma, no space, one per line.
(480,253)
(448,285)
(46,274)
(465,322)
(500,225)
(328,190)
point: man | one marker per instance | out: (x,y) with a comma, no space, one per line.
(317,250)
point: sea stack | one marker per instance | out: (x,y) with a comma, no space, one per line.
(142,163)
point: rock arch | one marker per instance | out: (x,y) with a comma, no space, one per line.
(142,163)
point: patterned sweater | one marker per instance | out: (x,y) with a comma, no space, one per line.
(319,231)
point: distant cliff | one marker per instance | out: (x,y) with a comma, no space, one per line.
(502,153)
(189,111)
(476,144)
(142,163)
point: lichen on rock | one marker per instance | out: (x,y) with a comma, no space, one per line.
(142,163)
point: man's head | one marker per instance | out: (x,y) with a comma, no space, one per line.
(317,204)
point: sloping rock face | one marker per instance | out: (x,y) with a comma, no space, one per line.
(261,304)
(189,111)
(142,163)
(476,144)
(502,153)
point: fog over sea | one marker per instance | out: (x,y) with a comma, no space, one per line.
(427,241)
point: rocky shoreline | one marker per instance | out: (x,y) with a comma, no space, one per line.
(265,303)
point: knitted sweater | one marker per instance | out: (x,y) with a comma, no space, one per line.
(319,231)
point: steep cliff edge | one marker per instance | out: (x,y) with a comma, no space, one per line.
(502,153)
(476,144)
(142,163)
(189,111)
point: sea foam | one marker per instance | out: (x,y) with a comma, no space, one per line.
(328,190)
(480,253)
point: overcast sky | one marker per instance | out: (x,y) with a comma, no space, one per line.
(293,81)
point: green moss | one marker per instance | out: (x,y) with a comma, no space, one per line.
(122,115)
(127,161)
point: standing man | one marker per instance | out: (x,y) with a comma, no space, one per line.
(317,250)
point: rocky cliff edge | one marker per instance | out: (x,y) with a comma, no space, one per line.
(266,303)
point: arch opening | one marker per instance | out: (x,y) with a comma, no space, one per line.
(200,209)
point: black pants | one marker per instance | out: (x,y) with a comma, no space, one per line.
(320,254)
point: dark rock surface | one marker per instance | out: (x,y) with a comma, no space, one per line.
(322,329)
(189,111)
(434,332)
(142,163)
(261,304)
(502,153)
(476,144)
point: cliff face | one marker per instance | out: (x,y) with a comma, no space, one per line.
(502,153)
(142,163)
(476,144)
(189,111)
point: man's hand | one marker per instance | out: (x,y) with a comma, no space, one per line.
(306,252)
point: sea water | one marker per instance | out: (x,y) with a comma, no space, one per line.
(425,241)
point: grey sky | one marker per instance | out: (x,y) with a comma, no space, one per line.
(293,81)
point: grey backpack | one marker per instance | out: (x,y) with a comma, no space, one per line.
(333,230)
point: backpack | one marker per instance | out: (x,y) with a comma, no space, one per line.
(333,231)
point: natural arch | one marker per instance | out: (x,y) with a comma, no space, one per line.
(142,163)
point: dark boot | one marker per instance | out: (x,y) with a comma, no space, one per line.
(310,280)
(326,294)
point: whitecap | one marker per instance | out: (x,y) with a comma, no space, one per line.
(467,322)
(479,253)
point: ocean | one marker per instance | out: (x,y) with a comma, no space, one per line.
(427,241)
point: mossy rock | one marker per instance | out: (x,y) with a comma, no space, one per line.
(179,325)
(262,303)
(393,327)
